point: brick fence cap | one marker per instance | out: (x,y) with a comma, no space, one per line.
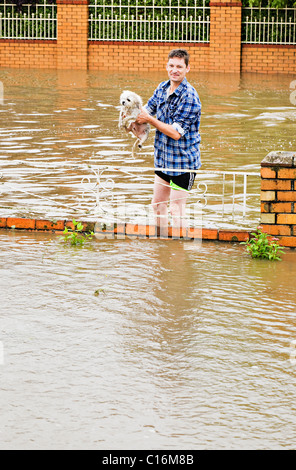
(280,158)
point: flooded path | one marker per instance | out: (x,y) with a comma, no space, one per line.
(138,344)
(58,127)
(145,345)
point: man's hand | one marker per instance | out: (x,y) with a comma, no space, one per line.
(166,129)
(143,117)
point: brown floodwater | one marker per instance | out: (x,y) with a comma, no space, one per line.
(139,344)
(59,128)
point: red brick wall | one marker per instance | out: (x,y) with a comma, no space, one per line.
(72,16)
(72,50)
(278,196)
(28,54)
(137,56)
(268,58)
(225,36)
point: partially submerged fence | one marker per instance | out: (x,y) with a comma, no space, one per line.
(225,199)
(122,194)
(109,205)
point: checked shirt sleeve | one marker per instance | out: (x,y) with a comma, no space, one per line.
(151,106)
(187,113)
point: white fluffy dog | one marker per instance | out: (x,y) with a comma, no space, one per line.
(130,107)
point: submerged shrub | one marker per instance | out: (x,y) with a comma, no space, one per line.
(76,237)
(261,245)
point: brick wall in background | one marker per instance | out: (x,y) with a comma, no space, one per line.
(137,56)
(28,53)
(72,42)
(268,58)
(72,50)
(225,36)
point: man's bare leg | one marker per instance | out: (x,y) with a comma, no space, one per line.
(161,196)
(178,207)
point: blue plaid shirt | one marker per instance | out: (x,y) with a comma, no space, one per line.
(181,109)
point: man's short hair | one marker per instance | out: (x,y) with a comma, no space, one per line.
(181,53)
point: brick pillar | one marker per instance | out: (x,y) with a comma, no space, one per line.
(278,196)
(72,40)
(225,36)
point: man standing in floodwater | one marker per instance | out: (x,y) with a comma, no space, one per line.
(177,108)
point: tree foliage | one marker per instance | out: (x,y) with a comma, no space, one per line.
(19,3)
(270,3)
(246,3)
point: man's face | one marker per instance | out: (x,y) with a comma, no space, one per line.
(177,69)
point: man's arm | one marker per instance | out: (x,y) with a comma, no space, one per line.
(166,129)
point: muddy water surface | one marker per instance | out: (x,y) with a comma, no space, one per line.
(138,344)
(58,128)
(142,344)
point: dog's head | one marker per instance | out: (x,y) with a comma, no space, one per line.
(129,99)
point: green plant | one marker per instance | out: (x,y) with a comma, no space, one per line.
(261,245)
(99,291)
(270,3)
(76,237)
